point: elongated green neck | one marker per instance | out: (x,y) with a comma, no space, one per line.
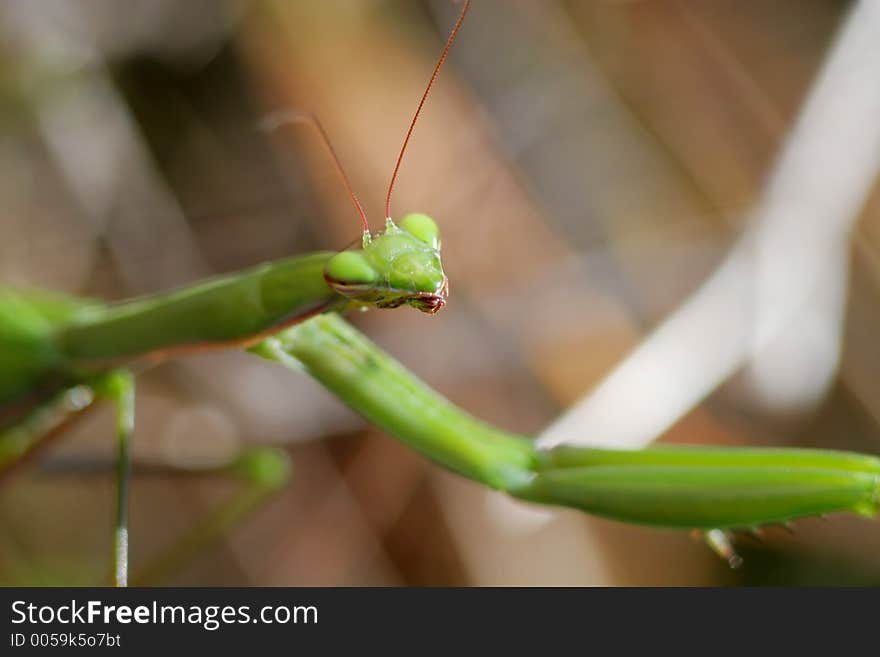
(220,312)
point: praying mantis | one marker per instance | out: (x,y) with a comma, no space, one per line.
(68,352)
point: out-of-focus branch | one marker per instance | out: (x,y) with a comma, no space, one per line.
(776,303)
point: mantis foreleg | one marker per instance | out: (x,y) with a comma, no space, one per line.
(686,488)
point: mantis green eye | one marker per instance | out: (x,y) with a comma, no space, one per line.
(423,228)
(350,268)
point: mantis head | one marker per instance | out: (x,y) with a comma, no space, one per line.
(402,264)
(399,266)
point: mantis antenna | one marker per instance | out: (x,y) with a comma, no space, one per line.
(412,124)
(275,121)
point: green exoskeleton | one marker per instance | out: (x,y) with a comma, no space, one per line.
(70,338)
(400,266)
(710,489)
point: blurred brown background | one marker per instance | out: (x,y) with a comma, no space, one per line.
(591,165)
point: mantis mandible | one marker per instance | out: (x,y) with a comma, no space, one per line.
(64,351)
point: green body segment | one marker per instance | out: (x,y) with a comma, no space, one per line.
(49,340)
(386,394)
(226,309)
(678,487)
(707,496)
(566,456)
(707,487)
(28,354)
(59,340)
